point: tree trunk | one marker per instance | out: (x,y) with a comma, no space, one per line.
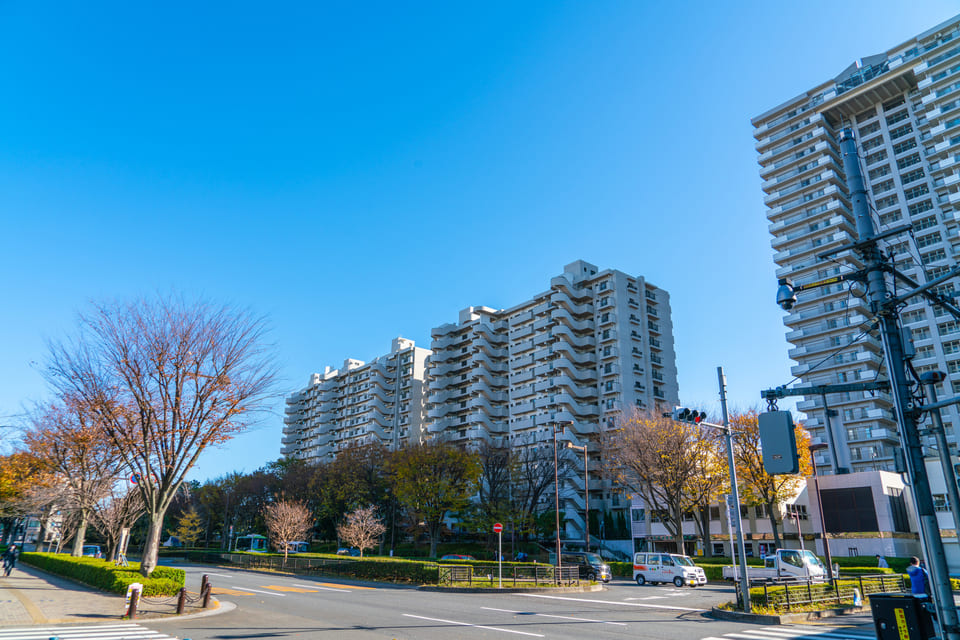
(705,529)
(773,525)
(434,534)
(81,535)
(152,545)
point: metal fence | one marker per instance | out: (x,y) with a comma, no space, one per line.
(513,575)
(785,596)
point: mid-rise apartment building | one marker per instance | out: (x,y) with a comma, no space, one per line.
(594,344)
(379,401)
(902,106)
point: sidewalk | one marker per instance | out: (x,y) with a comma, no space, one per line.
(32,597)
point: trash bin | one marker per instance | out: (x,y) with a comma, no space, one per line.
(901,616)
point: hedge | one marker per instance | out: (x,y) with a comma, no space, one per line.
(102,574)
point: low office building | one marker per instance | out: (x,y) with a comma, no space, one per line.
(378,401)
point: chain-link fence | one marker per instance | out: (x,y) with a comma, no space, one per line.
(532,575)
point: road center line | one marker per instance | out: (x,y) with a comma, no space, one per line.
(269,593)
(547,615)
(622,604)
(476,626)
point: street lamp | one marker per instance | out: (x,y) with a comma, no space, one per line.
(556,486)
(586,493)
(823,525)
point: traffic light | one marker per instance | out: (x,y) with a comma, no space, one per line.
(778,443)
(684,414)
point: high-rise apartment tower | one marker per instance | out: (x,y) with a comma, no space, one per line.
(903,106)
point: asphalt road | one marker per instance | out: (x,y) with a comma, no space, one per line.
(277,606)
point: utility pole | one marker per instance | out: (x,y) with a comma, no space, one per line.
(884,306)
(734,490)
(930,380)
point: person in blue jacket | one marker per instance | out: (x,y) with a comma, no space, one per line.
(919,578)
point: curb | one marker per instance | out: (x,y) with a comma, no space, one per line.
(487,590)
(786,618)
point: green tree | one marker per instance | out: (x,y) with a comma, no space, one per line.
(189,527)
(432,479)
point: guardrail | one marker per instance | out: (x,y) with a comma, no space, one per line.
(513,576)
(784,595)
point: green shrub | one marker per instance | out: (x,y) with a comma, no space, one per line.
(102,574)
(621,569)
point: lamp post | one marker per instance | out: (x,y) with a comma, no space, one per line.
(556,487)
(586,493)
(823,525)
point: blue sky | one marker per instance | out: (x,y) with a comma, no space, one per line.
(361,171)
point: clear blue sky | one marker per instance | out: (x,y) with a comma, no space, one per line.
(361,171)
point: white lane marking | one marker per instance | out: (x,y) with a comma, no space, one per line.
(269,593)
(314,586)
(648,598)
(547,615)
(476,626)
(221,575)
(623,604)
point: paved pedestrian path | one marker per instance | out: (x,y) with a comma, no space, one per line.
(29,596)
(798,632)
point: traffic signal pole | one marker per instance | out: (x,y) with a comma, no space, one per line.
(906,413)
(734,491)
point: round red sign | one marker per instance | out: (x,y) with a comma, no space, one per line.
(497,528)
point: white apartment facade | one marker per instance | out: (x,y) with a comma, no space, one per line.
(902,106)
(594,344)
(379,401)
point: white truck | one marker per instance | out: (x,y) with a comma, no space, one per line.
(785,564)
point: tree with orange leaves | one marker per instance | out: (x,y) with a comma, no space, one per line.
(757,487)
(70,445)
(166,379)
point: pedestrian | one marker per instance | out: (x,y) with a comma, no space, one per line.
(919,578)
(882,562)
(10,559)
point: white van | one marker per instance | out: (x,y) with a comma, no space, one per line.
(297,547)
(657,568)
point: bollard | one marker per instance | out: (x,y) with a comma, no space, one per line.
(134,601)
(206,595)
(203,582)
(181,600)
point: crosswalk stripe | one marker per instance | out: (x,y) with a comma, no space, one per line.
(786,633)
(85,632)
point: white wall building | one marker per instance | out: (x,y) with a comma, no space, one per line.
(379,401)
(593,344)
(902,105)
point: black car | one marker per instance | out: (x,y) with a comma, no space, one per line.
(592,566)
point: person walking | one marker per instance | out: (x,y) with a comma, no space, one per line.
(10,559)
(882,562)
(919,578)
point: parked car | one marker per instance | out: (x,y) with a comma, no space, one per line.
(457,556)
(348,551)
(92,551)
(592,566)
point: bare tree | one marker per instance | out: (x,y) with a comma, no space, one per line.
(66,437)
(167,379)
(532,477)
(362,528)
(287,521)
(656,458)
(119,511)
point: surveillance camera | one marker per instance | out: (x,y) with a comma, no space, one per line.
(786,297)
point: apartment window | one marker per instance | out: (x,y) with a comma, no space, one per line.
(886,185)
(879,172)
(637,515)
(602,287)
(877,157)
(604,317)
(908,161)
(608,368)
(916,192)
(889,201)
(919,207)
(925,223)
(926,241)
(933,256)
(899,132)
(605,335)
(913,176)
(906,145)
